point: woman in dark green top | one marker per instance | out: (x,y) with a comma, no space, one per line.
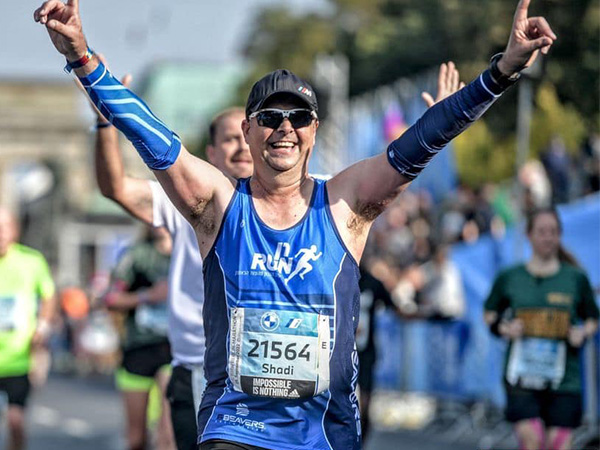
(546,308)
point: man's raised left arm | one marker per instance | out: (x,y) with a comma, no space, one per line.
(369,185)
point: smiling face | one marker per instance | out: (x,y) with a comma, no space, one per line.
(229,151)
(284,148)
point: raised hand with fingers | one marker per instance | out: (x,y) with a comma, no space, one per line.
(528,36)
(448,83)
(64,27)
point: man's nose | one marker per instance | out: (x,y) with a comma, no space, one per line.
(285,126)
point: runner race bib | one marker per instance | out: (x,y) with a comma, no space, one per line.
(535,363)
(8,314)
(279,354)
(153,317)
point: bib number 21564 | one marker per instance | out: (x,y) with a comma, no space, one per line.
(279,354)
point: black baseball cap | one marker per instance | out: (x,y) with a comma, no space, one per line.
(278,82)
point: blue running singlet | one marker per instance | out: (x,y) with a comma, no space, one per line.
(280,313)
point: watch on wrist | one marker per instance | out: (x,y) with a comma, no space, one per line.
(504,81)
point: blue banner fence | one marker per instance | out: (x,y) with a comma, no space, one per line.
(462,360)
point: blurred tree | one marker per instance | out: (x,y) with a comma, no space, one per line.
(389,39)
(555,119)
(481,158)
(280,39)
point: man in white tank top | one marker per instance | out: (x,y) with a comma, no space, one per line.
(146,200)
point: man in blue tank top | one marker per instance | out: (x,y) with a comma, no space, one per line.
(280,249)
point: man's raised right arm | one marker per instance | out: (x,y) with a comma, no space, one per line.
(190,182)
(132,194)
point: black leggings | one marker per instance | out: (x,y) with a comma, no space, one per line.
(219,444)
(180,394)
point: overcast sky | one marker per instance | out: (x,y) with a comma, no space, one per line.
(133,33)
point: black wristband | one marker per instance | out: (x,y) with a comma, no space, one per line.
(499,78)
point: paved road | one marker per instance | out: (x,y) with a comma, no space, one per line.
(72,413)
(408,441)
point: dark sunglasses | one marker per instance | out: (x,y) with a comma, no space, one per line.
(272,117)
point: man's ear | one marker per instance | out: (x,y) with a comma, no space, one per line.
(315,133)
(210,154)
(246,129)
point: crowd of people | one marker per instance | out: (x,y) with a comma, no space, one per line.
(412,237)
(267,348)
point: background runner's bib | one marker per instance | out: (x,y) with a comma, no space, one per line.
(536,363)
(8,314)
(281,309)
(153,317)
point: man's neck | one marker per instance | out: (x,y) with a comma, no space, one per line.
(543,267)
(281,202)
(281,187)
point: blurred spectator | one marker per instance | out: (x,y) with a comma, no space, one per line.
(452,224)
(404,294)
(556,162)
(372,296)
(481,210)
(96,341)
(74,303)
(590,153)
(500,199)
(538,192)
(441,296)
(74,310)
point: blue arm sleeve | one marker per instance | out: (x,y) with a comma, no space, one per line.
(155,142)
(411,152)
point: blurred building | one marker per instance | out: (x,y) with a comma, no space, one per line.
(40,122)
(47,167)
(187,95)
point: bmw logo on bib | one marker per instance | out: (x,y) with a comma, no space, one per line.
(269,321)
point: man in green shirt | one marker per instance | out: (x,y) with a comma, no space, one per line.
(27,306)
